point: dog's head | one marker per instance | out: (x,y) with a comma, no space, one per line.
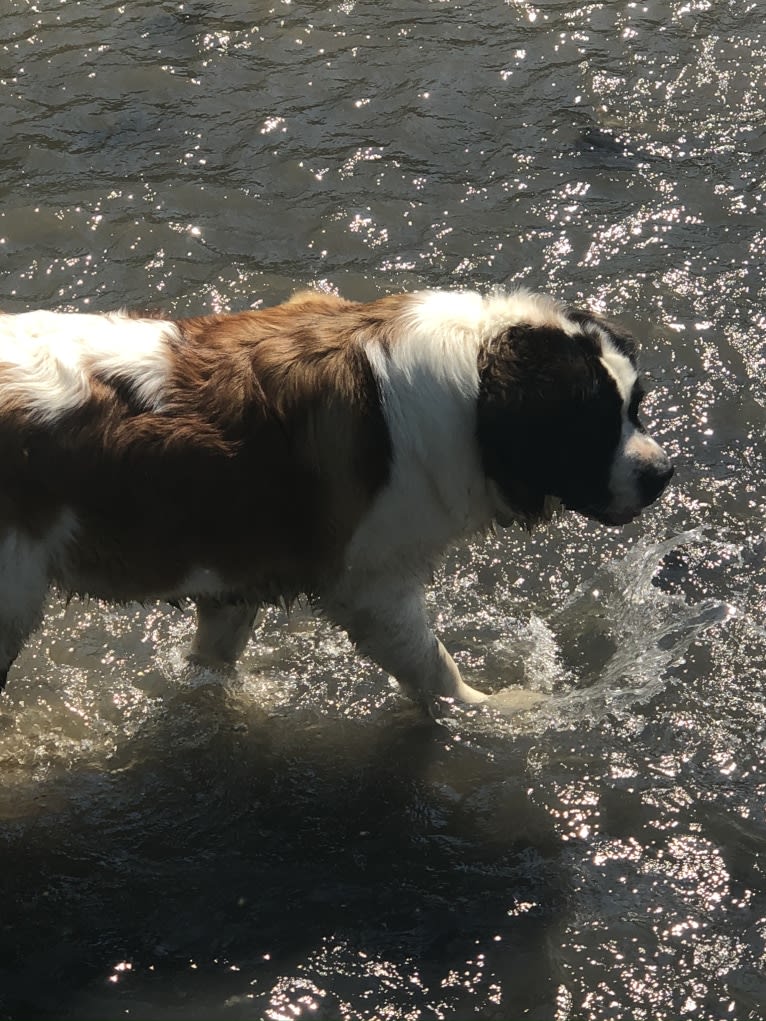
(558,421)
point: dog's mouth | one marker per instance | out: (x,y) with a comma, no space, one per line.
(615,519)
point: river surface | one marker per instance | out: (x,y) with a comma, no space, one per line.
(296,842)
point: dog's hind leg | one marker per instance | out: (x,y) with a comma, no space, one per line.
(24,584)
(223,630)
(13,634)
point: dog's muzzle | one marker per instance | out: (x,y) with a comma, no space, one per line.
(652,482)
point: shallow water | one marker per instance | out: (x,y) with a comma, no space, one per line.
(297,842)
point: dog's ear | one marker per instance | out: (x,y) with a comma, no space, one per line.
(514,431)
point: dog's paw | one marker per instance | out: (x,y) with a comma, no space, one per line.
(510,701)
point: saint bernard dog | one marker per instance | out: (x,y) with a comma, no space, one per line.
(323,448)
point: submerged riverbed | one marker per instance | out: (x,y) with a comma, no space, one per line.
(298,842)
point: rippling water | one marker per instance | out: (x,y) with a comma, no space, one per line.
(298,843)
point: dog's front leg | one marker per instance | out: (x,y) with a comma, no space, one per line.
(388,622)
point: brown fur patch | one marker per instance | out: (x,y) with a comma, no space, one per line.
(269,447)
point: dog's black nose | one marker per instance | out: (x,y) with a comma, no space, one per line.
(653,481)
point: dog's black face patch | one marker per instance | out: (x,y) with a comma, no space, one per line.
(550,419)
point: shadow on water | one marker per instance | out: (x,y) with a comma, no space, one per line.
(224,863)
(291,840)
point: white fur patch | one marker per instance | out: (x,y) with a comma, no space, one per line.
(486,316)
(429,383)
(619,368)
(49,359)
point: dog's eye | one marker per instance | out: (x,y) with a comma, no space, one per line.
(635,401)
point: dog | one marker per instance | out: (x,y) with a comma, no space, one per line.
(323,447)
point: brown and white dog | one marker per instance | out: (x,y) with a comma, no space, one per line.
(322,447)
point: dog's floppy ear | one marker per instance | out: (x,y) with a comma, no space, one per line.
(514,432)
